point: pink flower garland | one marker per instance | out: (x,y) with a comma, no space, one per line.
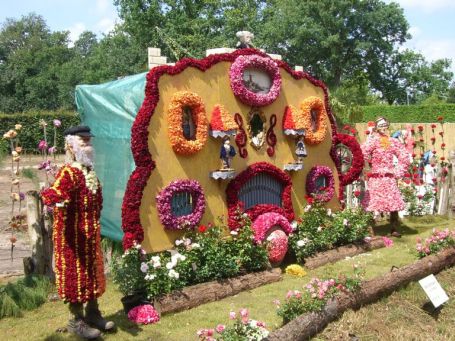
(311,188)
(266,221)
(164,199)
(242,92)
(143,314)
(131,221)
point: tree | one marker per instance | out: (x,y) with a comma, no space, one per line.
(30,58)
(334,40)
(188,27)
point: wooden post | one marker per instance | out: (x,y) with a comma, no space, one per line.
(40,232)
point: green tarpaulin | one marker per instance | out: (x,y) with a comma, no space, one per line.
(109,109)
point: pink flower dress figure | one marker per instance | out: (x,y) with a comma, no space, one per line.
(383,194)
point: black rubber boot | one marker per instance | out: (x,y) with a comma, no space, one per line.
(77,325)
(93,317)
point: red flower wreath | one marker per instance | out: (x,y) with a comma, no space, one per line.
(236,184)
(357,158)
(131,223)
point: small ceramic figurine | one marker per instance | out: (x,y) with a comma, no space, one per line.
(227,152)
(300,149)
(245,38)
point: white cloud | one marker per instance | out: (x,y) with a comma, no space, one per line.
(427,6)
(75,32)
(106,24)
(415,31)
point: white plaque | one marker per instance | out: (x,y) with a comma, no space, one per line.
(434,291)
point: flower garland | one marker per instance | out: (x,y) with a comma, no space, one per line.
(240,137)
(233,189)
(91,180)
(221,119)
(242,92)
(267,221)
(131,221)
(309,104)
(164,199)
(311,187)
(271,137)
(357,158)
(277,247)
(179,143)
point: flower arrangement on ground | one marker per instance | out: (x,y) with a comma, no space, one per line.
(295,270)
(206,254)
(316,294)
(243,328)
(319,229)
(438,241)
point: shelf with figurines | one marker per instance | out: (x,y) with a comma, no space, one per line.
(223,126)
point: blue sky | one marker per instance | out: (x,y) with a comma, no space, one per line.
(432,21)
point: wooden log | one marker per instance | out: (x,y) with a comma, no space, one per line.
(307,325)
(40,232)
(334,255)
(198,294)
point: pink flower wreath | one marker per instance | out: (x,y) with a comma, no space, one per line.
(242,92)
(164,199)
(327,193)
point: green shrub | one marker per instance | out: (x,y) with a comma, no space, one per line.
(320,230)
(31,132)
(410,113)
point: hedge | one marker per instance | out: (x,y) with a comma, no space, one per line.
(410,113)
(31,132)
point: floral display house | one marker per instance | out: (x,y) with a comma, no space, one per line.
(263,113)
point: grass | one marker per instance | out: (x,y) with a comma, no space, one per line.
(401,316)
(32,175)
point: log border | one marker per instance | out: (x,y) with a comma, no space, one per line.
(307,325)
(202,293)
(341,252)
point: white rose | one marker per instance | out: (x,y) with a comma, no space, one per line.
(234,233)
(329,212)
(169,265)
(178,242)
(144,267)
(195,245)
(345,222)
(294,225)
(300,243)
(156,259)
(156,265)
(319,228)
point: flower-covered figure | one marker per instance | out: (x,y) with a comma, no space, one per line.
(77,200)
(383,194)
(227,152)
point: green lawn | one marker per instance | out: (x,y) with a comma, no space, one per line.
(401,316)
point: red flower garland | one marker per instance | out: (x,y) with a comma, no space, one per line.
(236,184)
(131,223)
(357,158)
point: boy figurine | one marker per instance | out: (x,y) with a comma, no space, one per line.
(227,152)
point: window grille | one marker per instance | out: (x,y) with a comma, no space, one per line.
(182,204)
(261,189)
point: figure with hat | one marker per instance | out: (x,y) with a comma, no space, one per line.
(77,201)
(382,194)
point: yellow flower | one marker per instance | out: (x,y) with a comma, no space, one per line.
(295,270)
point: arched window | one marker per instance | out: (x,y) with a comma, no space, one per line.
(182,204)
(261,189)
(188,126)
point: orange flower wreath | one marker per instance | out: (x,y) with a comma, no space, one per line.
(179,143)
(306,106)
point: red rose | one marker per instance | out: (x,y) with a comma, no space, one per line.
(433,138)
(442,158)
(434,152)
(412,131)
(420,128)
(357,193)
(443,145)
(346,127)
(440,118)
(433,126)
(413,155)
(353,131)
(441,133)
(420,196)
(202,228)
(367,132)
